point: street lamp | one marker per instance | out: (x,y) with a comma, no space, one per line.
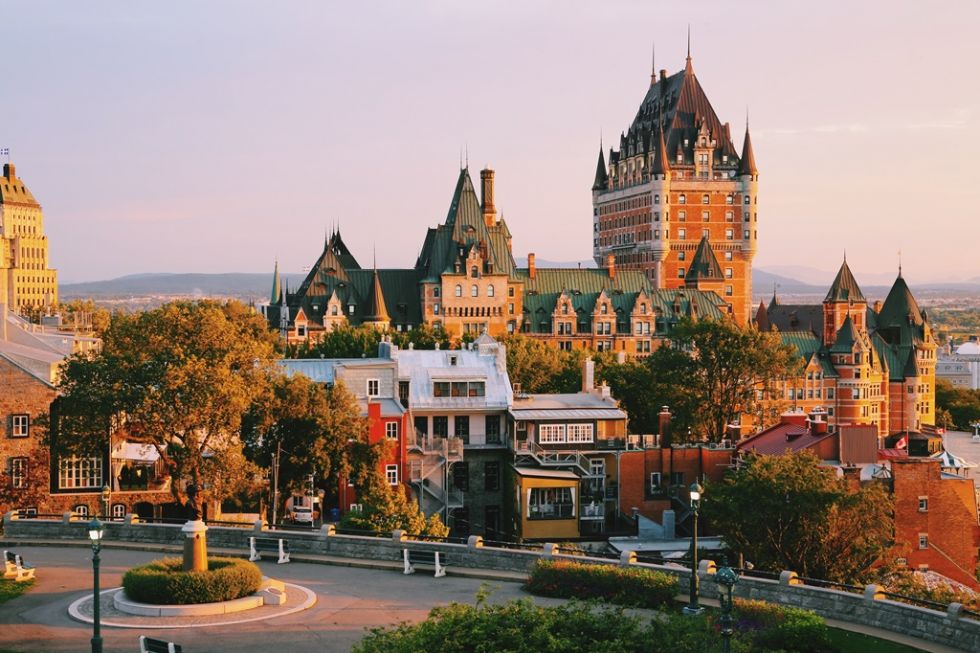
(693,607)
(726,578)
(95,535)
(106,494)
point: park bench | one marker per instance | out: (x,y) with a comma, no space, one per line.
(277,545)
(413,557)
(15,568)
(150,645)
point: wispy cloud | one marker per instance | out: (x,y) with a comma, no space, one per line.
(959,119)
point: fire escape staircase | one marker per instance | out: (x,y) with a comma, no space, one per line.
(430,463)
(532,451)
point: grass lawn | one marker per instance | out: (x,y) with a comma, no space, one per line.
(10,589)
(848,642)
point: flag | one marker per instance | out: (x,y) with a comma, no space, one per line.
(4,151)
(903,443)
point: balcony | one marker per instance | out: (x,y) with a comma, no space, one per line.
(592,510)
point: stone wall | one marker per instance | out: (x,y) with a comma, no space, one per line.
(950,628)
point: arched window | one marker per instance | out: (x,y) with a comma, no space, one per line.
(604,309)
(490,290)
(474,272)
(682,199)
(118,510)
(436,291)
(564,309)
(474,290)
(705,199)
(459,290)
(81,510)
(643,308)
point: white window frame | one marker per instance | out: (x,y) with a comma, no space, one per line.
(118,510)
(18,472)
(74,472)
(656,478)
(551,433)
(579,433)
(377,387)
(923,540)
(391,430)
(81,510)
(923,504)
(21,426)
(391,473)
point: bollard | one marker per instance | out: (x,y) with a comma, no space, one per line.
(474,542)
(398,535)
(787,577)
(627,558)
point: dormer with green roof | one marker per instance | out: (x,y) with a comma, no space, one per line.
(843,300)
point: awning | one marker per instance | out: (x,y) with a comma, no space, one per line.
(145,453)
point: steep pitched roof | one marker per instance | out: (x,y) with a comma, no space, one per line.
(601,177)
(339,249)
(746,166)
(847,335)
(795,317)
(661,164)
(845,288)
(704,265)
(374,308)
(276,296)
(900,308)
(13,190)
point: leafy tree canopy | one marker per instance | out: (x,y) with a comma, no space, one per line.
(178,378)
(347,341)
(790,512)
(957,408)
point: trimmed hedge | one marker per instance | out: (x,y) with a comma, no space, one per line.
(630,586)
(776,627)
(164,582)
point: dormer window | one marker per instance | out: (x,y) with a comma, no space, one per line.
(453,360)
(474,272)
(604,309)
(436,291)
(643,309)
(564,309)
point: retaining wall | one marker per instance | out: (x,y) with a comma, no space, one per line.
(950,628)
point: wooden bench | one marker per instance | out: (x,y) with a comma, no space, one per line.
(259,545)
(15,568)
(150,645)
(413,557)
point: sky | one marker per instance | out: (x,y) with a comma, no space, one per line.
(220,136)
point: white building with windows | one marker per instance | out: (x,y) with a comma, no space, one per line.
(961,367)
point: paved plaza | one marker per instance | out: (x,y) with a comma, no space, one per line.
(349,600)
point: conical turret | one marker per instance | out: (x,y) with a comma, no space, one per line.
(746,166)
(275,296)
(601,178)
(661,164)
(376,312)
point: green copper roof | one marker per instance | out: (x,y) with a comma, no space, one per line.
(847,335)
(704,265)
(900,308)
(276,295)
(845,288)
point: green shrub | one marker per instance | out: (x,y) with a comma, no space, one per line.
(776,627)
(630,586)
(164,581)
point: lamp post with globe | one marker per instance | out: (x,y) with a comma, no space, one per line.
(693,608)
(95,535)
(726,578)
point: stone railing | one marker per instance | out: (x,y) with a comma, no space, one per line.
(954,627)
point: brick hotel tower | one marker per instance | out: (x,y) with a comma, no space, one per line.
(677,190)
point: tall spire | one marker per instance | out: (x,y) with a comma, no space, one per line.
(687,66)
(746,165)
(375,310)
(276,285)
(653,64)
(601,178)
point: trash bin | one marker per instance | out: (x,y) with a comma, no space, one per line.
(335,514)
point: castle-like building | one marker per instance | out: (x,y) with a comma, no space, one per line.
(467,282)
(26,281)
(862,365)
(676,200)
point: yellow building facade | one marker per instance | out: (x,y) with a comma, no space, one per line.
(26,281)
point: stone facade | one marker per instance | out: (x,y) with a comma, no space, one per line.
(26,281)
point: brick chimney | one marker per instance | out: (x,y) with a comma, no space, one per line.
(530,265)
(664,420)
(9,171)
(588,375)
(611,265)
(486,197)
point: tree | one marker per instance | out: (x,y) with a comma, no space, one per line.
(385,507)
(178,378)
(33,490)
(790,512)
(85,315)
(960,407)
(310,425)
(710,372)
(345,341)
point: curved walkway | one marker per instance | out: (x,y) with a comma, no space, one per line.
(352,596)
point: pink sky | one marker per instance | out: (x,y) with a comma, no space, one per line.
(173,137)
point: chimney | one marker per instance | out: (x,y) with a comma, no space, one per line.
(530,265)
(486,196)
(664,419)
(9,171)
(877,306)
(663,74)
(611,265)
(588,375)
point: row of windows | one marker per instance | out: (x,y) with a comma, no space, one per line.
(459,388)
(474,290)
(565,433)
(461,424)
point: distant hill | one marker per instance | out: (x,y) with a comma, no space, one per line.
(195,285)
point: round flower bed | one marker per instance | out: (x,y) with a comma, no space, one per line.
(164,582)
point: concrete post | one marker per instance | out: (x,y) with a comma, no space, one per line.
(398,535)
(627,558)
(873,592)
(130,519)
(474,542)
(10,516)
(549,551)
(66,517)
(954,611)
(195,546)
(706,568)
(328,530)
(260,525)
(787,577)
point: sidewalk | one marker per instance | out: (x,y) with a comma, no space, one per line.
(351,599)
